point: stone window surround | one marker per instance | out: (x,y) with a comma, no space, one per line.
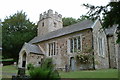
(54,49)
(68,44)
(102,47)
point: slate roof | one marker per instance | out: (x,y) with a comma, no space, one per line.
(31,48)
(86,24)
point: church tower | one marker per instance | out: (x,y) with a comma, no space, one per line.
(49,22)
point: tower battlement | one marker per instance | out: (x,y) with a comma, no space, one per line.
(50,14)
(49,21)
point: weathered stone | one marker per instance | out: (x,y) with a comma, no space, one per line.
(61,44)
(49,22)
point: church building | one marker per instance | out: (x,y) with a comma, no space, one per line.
(65,44)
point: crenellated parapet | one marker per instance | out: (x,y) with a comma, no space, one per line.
(49,21)
(50,14)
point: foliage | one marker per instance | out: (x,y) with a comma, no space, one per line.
(83,17)
(47,64)
(45,71)
(110,15)
(68,21)
(30,66)
(85,58)
(43,74)
(0,34)
(16,29)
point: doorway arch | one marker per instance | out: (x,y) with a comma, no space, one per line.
(24,60)
(72,63)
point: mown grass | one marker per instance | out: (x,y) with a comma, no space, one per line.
(6,59)
(10,68)
(8,71)
(104,73)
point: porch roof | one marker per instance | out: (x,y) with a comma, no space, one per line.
(31,48)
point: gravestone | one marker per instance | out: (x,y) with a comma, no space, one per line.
(66,68)
(21,71)
(21,75)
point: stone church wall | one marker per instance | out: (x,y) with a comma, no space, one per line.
(63,54)
(34,59)
(101,61)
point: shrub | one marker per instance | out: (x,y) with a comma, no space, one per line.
(85,58)
(38,72)
(47,64)
(30,66)
(45,72)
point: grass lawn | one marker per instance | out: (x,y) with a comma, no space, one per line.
(7,71)
(10,68)
(104,73)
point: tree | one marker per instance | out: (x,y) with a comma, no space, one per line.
(0,34)
(68,21)
(16,30)
(83,17)
(110,15)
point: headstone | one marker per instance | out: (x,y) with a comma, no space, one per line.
(66,68)
(21,71)
(21,75)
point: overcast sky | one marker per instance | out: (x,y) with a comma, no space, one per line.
(68,8)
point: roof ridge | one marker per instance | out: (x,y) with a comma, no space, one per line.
(85,24)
